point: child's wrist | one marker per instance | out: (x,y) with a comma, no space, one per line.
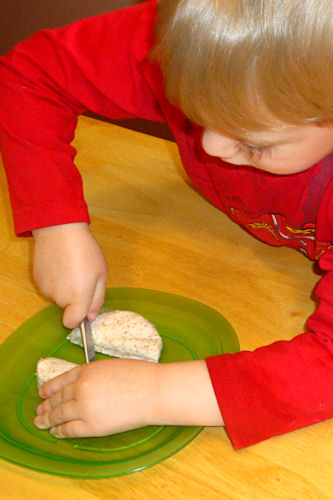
(183,395)
(59,228)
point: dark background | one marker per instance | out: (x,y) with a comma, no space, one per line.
(21,18)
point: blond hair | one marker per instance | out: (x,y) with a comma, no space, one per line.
(242,65)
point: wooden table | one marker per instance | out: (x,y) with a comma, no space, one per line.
(158,232)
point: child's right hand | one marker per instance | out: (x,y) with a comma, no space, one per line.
(70,268)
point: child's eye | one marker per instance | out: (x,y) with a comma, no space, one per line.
(256,151)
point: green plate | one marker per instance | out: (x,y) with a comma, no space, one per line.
(190,330)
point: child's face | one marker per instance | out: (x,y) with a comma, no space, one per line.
(286,150)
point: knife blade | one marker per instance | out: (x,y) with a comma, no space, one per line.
(87,340)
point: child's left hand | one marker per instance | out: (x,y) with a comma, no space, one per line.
(97,399)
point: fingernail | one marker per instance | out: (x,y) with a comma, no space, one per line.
(39,410)
(39,424)
(53,431)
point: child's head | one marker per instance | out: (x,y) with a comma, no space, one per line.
(241,66)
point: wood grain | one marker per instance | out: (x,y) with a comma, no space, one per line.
(158,232)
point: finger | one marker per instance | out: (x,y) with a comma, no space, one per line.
(97,300)
(63,413)
(56,384)
(74,313)
(62,396)
(73,429)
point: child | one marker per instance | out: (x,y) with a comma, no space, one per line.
(246,88)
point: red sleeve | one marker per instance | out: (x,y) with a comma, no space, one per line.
(284,386)
(45,82)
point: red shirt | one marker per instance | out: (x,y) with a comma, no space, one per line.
(100,64)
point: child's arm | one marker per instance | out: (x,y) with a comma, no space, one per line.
(107,397)
(69,267)
(45,83)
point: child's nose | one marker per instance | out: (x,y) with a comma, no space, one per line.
(219,145)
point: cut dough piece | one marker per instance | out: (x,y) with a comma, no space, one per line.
(124,334)
(48,368)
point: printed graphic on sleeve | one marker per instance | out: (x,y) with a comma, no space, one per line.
(274,230)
